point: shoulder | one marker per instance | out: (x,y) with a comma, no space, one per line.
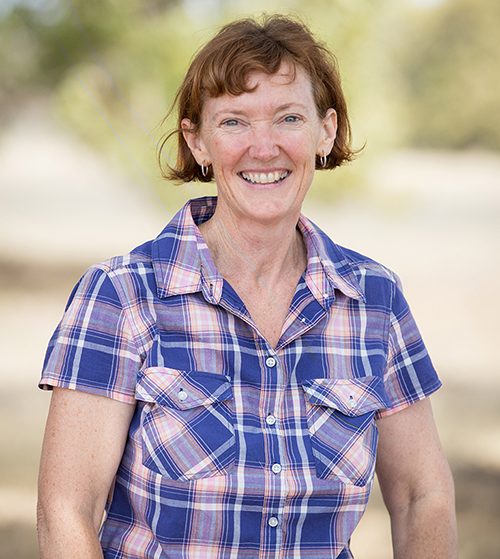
(363,265)
(118,279)
(353,265)
(138,259)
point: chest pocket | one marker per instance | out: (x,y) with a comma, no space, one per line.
(340,418)
(187,423)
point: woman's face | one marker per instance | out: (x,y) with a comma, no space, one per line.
(262,146)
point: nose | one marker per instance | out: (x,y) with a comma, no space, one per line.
(264,143)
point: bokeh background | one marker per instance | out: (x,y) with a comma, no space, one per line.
(83,90)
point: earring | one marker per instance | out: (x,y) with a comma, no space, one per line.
(322,160)
(204,169)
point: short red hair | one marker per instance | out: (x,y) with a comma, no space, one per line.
(245,46)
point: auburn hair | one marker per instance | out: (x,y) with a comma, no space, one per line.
(224,64)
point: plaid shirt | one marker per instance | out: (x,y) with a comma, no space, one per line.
(238,449)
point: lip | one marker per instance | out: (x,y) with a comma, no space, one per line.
(264,179)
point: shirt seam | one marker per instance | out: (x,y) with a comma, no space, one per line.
(112,275)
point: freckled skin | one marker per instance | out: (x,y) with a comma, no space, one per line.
(273,128)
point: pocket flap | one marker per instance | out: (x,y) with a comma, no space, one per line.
(352,397)
(182,390)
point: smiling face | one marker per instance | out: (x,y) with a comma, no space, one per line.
(262,146)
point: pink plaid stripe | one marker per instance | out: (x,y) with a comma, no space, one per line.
(237,449)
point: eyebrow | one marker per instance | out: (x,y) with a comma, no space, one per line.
(283,107)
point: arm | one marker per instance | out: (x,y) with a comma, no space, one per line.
(83,446)
(417,485)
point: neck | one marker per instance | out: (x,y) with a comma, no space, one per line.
(256,251)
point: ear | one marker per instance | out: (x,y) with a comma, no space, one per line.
(194,142)
(329,133)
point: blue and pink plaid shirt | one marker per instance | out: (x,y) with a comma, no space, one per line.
(238,449)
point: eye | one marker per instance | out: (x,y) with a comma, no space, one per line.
(230,122)
(291,119)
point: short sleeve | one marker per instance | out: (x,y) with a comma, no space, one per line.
(93,348)
(409,375)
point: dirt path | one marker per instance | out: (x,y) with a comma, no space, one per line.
(433,218)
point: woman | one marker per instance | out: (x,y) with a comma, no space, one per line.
(222,391)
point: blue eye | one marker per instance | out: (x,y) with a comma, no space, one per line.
(230,122)
(291,118)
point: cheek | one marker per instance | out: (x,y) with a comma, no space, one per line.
(302,146)
(226,154)
(303,155)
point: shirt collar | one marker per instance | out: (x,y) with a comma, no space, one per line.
(181,259)
(328,267)
(182,262)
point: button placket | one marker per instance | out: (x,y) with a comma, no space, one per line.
(271,403)
(271,419)
(271,362)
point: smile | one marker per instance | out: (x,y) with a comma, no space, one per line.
(265,178)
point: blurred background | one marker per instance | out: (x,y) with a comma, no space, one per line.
(79,182)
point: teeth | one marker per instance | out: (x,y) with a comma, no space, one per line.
(264,178)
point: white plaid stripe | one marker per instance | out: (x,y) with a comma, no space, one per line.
(164,307)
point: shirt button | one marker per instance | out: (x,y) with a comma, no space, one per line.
(182,395)
(352,403)
(273,522)
(270,361)
(271,419)
(276,468)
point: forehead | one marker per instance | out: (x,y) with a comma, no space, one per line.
(286,75)
(288,86)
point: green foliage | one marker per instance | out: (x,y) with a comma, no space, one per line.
(450,68)
(143,47)
(412,76)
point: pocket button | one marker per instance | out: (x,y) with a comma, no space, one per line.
(182,395)
(273,522)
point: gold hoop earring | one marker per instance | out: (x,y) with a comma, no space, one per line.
(204,169)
